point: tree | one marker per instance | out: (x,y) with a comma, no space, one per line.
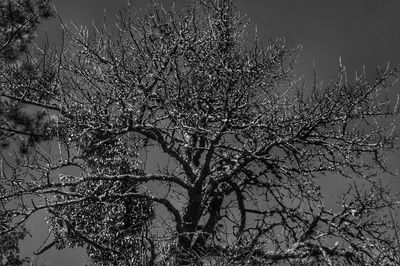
(19,20)
(243,146)
(18,23)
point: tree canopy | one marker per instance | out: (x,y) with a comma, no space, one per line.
(18,23)
(239,144)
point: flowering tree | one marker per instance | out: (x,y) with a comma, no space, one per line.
(239,148)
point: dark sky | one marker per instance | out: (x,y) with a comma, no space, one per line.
(361,32)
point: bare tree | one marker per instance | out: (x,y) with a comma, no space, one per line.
(239,145)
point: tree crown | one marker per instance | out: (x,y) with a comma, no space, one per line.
(243,146)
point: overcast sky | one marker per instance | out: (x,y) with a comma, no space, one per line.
(361,32)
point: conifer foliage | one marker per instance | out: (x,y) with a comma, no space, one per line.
(19,20)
